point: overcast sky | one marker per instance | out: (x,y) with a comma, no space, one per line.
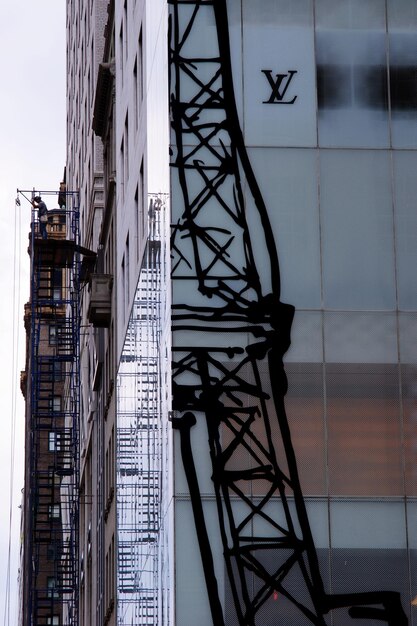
(32,154)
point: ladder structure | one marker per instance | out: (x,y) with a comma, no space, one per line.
(52,319)
(139,445)
(230,333)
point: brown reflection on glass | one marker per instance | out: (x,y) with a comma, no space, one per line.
(305,410)
(364,430)
(247,413)
(409,388)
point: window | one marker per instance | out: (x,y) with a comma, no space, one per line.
(54,441)
(51,583)
(52,335)
(122,166)
(110,580)
(52,552)
(124,287)
(135,95)
(55,331)
(110,466)
(53,479)
(140,68)
(121,38)
(53,620)
(126,148)
(51,368)
(126,30)
(54,511)
(58,370)
(56,284)
(55,404)
(127,274)
(138,234)
(141,195)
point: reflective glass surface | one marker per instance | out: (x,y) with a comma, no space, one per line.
(326,102)
(357,230)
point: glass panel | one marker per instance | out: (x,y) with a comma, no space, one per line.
(201,51)
(279,98)
(409,391)
(408,334)
(368,551)
(360,337)
(412,540)
(54,511)
(402,23)
(55,404)
(277,609)
(293,212)
(215,229)
(192,600)
(354,14)
(364,430)
(352,73)
(357,230)
(54,441)
(51,583)
(405,184)
(402,14)
(369,524)
(282,12)
(403,88)
(306,338)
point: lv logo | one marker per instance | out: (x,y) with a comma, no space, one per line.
(279,87)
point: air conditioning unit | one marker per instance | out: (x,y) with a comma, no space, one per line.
(99,306)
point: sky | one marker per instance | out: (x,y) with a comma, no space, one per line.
(32,154)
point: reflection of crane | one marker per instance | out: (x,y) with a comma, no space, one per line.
(230,332)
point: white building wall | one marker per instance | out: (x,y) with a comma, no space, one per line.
(141,136)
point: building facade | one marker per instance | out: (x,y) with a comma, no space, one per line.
(291,170)
(50,385)
(247,433)
(117,133)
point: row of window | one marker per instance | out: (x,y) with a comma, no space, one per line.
(110,579)
(109,468)
(126,146)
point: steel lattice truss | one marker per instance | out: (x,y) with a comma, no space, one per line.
(235,380)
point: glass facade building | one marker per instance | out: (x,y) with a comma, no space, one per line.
(317,114)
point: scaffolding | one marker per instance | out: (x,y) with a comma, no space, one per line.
(139,446)
(52,319)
